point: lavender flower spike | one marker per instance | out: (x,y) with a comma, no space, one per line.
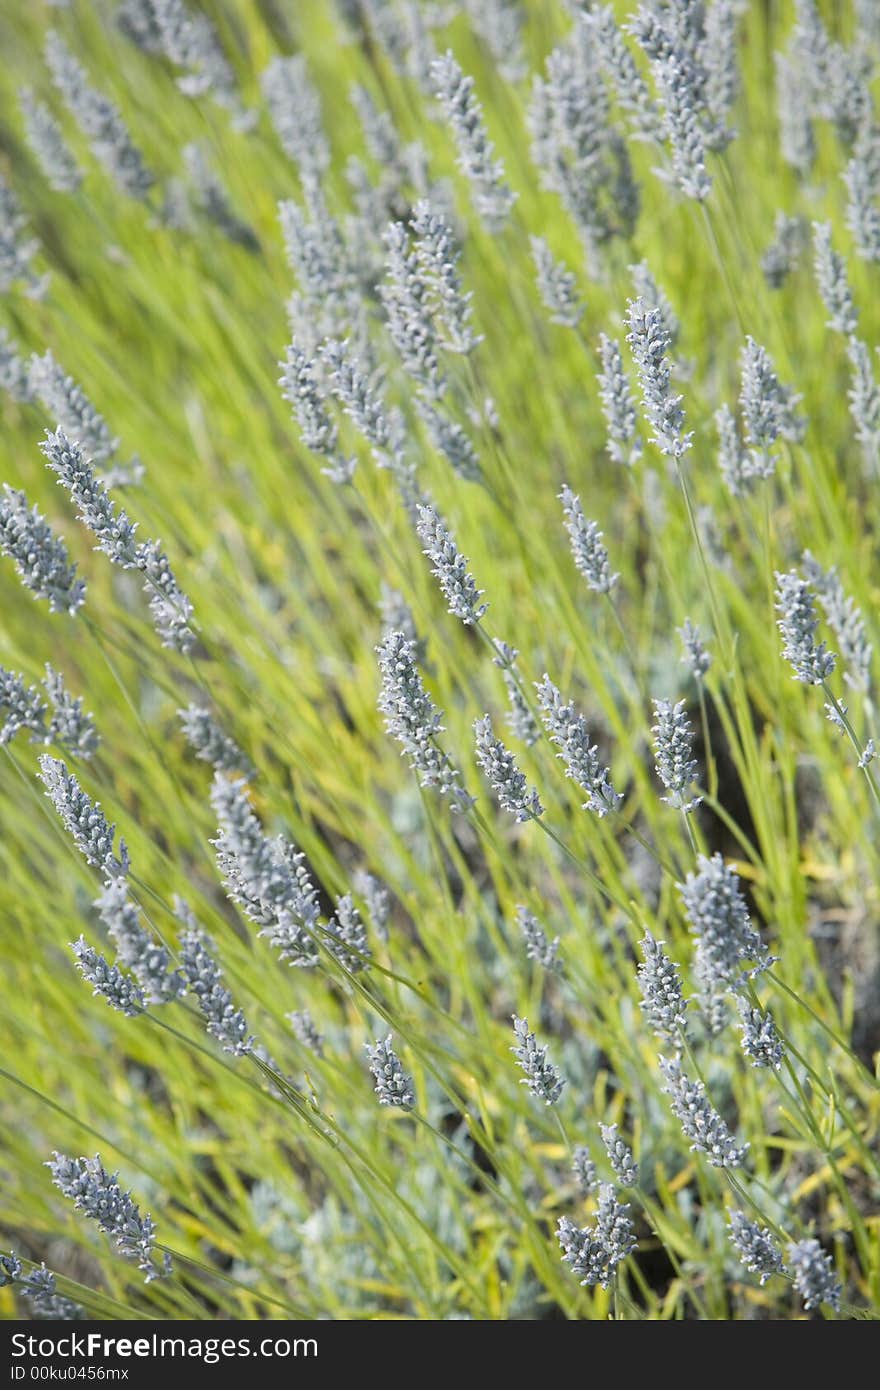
(46,139)
(509,784)
(568,730)
(620,1156)
(673,746)
(99,119)
(699,1120)
(590,555)
(557,286)
(450,567)
(97,1194)
(393,1085)
(755,1246)
(83,819)
(113,530)
(40,556)
(797,622)
(662,1001)
(204,978)
(813,1274)
(650,342)
(618,406)
(541,1077)
(414,720)
(718,916)
(476,154)
(107,980)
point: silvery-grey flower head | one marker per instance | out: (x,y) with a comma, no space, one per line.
(378,128)
(620,1156)
(675,85)
(630,88)
(541,1077)
(377,899)
(712,991)
(267,878)
(83,819)
(107,980)
(46,139)
(71,727)
(414,720)
(397,616)
(295,110)
(845,620)
(520,720)
(833,283)
(300,386)
(864,400)
(582,1251)
(568,730)
(578,153)
(74,413)
(557,286)
(618,406)
(694,653)
(782,256)
(41,1291)
(346,937)
(409,312)
(797,622)
(21,707)
(673,748)
(543,952)
(305,1032)
(40,556)
(210,743)
(16,250)
(499,23)
(647,288)
(171,609)
(437,256)
(862,178)
(99,120)
(662,1001)
(10,1269)
(734,462)
(768,408)
(136,19)
(204,979)
(813,1273)
(190,41)
(393,1085)
(717,915)
(584,1169)
(700,1121)
(493,198)
(14,372)
(450,567)
(147,958)
(96,1193)
(450,439)
(761,1042)
(112,529)
(507,781)
(755,1245)
(357,392)
(614,1230)
(649,340)
(590,555)
(329,303)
